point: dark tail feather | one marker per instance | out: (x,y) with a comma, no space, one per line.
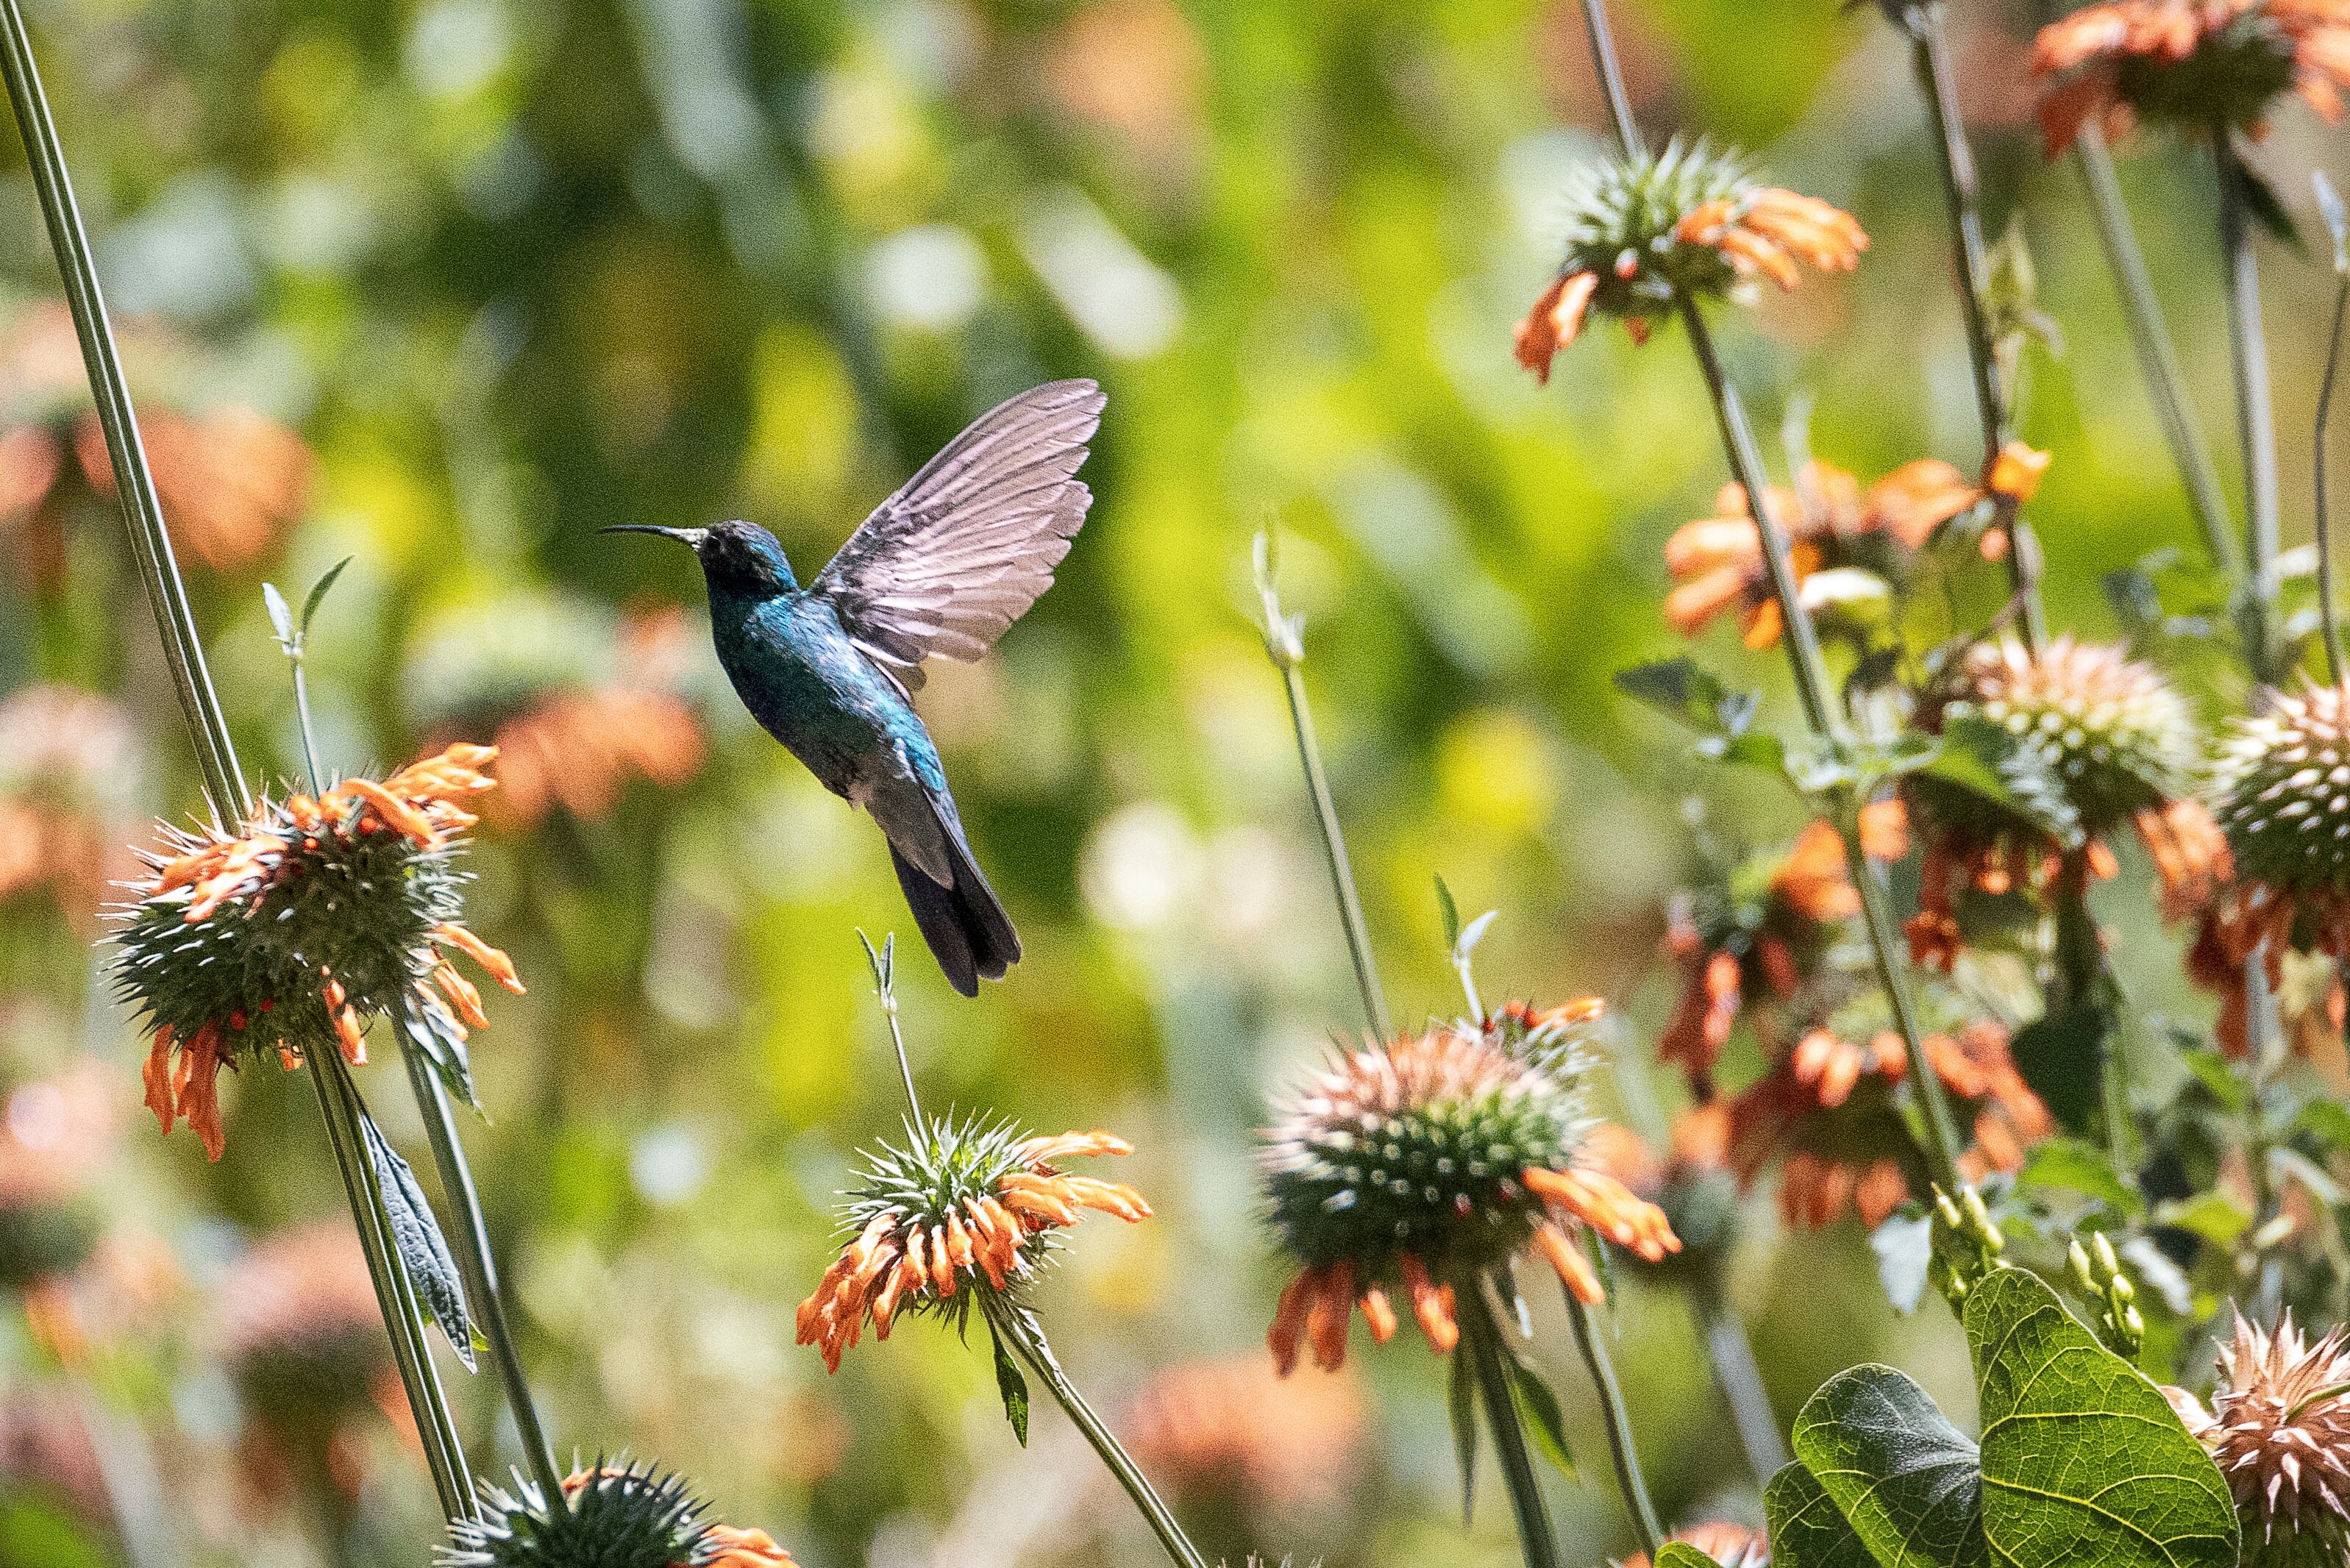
(969,933)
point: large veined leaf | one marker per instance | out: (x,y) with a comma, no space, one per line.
(1682,1554)
(2083,1463)
(1906,1479)
(1807,1530)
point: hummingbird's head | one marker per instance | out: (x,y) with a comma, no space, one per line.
(736,557)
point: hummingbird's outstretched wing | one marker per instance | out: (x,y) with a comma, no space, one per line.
(967,545)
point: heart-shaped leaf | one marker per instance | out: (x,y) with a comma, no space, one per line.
(2083,1461)
(1682,1554)
(1807,1530)
(1909,1481)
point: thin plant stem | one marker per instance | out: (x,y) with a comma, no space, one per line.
(2166,382)
(2326,611)
(1740,1381)
(436,1425)
(1481,1341)
(2255,414)
(150,549)
(1931,56)
(150,542)
(1726,1340)
(1333,848)
(885,970)
(1020,1330)
(1611,78)
(479,1266)
(1941,1145)
(1283,645)
(1621,1447)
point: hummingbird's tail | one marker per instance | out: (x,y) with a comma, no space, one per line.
(969,933)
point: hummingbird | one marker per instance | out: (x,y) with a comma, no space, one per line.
(943,566)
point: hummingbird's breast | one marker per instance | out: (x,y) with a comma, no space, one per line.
(797,671)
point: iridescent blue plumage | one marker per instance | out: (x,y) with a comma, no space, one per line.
(942,567)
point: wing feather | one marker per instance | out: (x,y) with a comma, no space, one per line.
(967,545)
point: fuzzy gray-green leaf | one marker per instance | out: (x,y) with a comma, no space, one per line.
(1012,1386)
(1907,1481)
(1463,1402)
(2083,1461)
(424,1251)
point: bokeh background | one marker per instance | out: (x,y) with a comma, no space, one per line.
(445,288)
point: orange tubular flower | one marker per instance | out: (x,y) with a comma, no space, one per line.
(315,917)
(1716,562)
(1827,1114)
(1648,232)
(2191,63)
(1481,1155)
(972,1209)
(1737,949)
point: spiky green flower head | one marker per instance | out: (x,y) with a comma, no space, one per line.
(1430,1161)
(1421,1146)
(615,1516)
(962,1208)
(2280,790)
(1645,232)
(2067,747)
(313,917)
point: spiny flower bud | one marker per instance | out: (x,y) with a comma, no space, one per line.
(1645,232)
(2281,795)
(967,1209)
(2280,1430)
(624,1516)
(1426,1163)
(2087,736)
(314,917)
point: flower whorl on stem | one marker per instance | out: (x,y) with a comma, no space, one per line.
(1425,1163)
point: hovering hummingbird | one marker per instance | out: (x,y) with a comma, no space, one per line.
(943,567)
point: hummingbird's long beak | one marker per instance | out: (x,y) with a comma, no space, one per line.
(689,537)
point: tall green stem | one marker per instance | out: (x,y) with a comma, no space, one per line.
(150,547)
(1020,1331)
(1481,1341)
(1285,646)
(2166,382)
(436,1425)
(2326,609)
(2255,414)
(479,1266)
(1740,1381)
(1930,57)
(1942,1142)
(1621,1447)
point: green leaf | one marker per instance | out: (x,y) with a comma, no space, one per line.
(428,1027)
(2081,1167)
(2083,1460)
(1906,1479)
(1807,1530)
(1012,1386)
(1683,691)
(1463,1402)
(1450,911)
(2213,1216)
(1983,757)
(1538,1411)
(2268,208)
(2327,1120)
(1682,1554)
(280,620)
(2061,1056)
(318,593)
(424,1254)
